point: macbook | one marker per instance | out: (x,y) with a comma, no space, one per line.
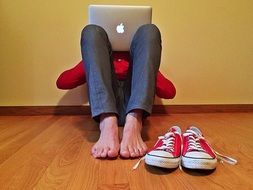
(120,22)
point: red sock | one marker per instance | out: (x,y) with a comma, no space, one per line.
(164,87)
(72,78)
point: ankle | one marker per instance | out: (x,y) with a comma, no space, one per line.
(135,115)
(133,123)
(108,121)
(107,116)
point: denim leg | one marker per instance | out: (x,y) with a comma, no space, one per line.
(100,76)
(145,52)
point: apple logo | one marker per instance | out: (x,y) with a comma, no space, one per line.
(120,28)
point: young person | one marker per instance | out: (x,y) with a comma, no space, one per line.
(115,102)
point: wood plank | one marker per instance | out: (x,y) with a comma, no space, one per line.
(18,134)
(8,121)
(74,167)
(27,165)
(87,170)
(117,178)
(63,166)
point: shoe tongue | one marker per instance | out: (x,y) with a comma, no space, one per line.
(175,129)
(196,130)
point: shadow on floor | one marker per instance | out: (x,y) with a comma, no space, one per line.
(198,172)
(159,171)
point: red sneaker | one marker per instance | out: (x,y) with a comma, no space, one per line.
(167,150)
(197,153)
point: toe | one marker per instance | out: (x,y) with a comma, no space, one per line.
(93,150)
(137,152)
(131,152)
(124,153)
(113,152)
(98,152)
(142,151)
(145,148)
(104,152)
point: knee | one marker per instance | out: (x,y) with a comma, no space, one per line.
(91,32)
(150,31)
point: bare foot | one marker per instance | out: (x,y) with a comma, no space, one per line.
(132,144)
(108,142)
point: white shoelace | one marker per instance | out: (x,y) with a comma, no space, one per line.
(168,142)
(138,163)
(194,138)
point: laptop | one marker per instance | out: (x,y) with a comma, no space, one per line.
(120,22)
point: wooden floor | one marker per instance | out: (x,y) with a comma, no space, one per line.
(53,152)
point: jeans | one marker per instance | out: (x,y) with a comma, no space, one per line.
(106,93)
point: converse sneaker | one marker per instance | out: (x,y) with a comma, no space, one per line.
(167,150)
(197,153)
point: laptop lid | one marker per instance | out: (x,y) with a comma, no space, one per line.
(120,22)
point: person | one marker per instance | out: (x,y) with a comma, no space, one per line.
(116,103)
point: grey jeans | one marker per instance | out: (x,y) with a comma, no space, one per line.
(106,93)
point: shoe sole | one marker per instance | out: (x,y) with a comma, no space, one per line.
(162,162)
(199,163)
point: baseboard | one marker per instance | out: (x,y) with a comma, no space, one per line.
(44,110)
(157,109)
(206,108)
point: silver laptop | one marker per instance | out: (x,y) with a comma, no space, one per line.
(120,22)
